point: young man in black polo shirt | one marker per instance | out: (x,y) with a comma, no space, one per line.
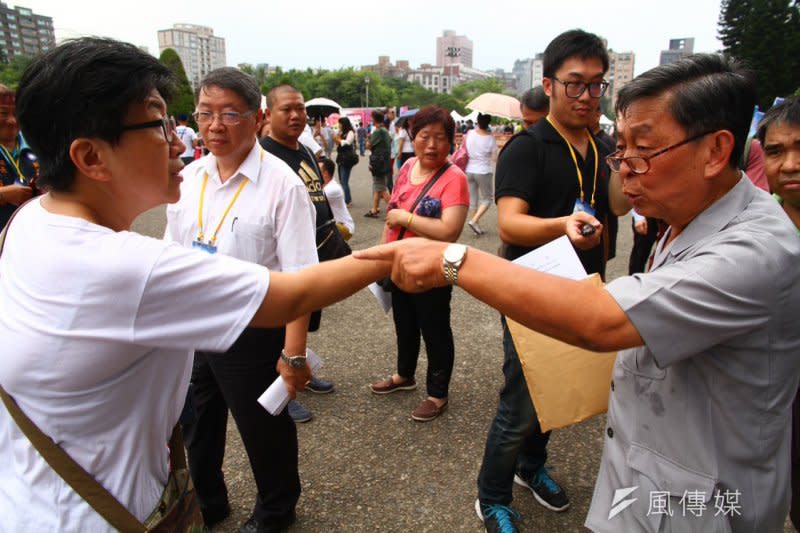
(286,111)
(547,177)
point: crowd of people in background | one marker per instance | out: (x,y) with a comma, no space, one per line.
(255,247)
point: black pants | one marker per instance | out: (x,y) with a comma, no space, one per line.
(642,245)
(428,313)
(234,380)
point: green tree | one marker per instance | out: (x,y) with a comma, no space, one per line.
(467,91)
(765,34)
(11,72)
(183,100)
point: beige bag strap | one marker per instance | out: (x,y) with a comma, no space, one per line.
(79,479)
(65,466)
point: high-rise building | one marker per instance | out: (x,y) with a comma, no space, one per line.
(620,72)
(452,49)
(200,51)
(22,32)
(528,72)
(678,48)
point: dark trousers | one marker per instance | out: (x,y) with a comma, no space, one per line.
(794,510)
(515,442)
(234,380)
(429,313)
(642,245)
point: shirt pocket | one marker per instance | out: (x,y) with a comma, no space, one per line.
(676,490)
(249,241)
(640,362)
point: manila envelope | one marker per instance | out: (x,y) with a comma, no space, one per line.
(567,384)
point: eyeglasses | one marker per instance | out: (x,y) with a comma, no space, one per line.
(166,124)
(640,164)
(229,118)
(574,89)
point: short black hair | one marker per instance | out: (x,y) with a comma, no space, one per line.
(431,114)
(83,88)
(283,87)
(328,165)
(535,99)
(234,80)
(377,116)
(708,92)
(573,43)
(787,112)
(483,121)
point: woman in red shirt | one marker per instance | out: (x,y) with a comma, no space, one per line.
(430,199)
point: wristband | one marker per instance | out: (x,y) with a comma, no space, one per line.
(408,222)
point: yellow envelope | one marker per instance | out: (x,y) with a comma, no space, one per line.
(567,384)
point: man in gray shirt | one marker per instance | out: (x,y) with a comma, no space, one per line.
(698,430)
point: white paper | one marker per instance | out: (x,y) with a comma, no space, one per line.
(384,298)
(557,257)
(276,397)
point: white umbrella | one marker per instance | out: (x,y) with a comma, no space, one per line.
(500,105)
(322,107)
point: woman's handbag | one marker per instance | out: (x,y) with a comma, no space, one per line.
(178,510)
(346,156)
(460,157)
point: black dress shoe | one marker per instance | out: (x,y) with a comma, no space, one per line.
(274,525)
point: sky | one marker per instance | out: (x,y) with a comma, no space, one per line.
(332,34)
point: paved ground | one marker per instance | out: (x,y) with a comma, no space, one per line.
(365,464)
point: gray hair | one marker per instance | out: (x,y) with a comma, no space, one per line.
(535,99)
(787,112)
(234,80)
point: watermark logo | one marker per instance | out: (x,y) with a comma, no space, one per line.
(619,504)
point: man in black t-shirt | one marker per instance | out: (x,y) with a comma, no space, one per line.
(286,111)
(550,180)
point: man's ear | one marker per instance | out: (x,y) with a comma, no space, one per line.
(720,146)
(89,155)
(547,85)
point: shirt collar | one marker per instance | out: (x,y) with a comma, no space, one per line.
(716,216)
(249,168)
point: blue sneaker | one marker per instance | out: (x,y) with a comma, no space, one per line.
(497,518)
(545,489)
(298,413)
(319,386)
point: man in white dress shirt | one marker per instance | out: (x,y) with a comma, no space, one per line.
(244,202)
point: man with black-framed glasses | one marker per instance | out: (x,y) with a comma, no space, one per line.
(551,181)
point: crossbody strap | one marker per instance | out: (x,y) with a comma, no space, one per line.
(87,487)
(424,192)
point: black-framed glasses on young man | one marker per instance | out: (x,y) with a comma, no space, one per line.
(166,124)
(574,89)
(640,164)
(229,118)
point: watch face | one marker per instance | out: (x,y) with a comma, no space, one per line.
(454,253)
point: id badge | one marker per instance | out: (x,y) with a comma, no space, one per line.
(580,205)
(208,248)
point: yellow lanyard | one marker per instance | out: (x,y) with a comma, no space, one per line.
(15,162)
(200,235)
(575,160)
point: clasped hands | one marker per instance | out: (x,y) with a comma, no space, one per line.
(416,262)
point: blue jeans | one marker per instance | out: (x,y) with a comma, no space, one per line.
(515,441)
(344,180)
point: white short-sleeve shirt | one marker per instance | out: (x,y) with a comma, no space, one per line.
(272,222)
(98,329)
(480,149)
(187,136)
(335,195)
